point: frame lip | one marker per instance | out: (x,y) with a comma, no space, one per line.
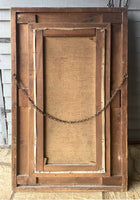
(98,188)
(90,26)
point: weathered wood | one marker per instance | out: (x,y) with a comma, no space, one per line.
(39,100)
(32,57)
(124,116)
(26,18)
(100,50)
(99,119)
(31,109)
(70,180)
(5,182)
(22,63)
(116,144)
(107,98)
(22,153)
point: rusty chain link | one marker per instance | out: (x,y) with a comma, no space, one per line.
(125,76)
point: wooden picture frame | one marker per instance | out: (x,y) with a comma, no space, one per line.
(30,168)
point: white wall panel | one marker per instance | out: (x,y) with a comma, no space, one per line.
(52,3)
(5,61)
(134,4)
(8,117)
(7,89)
(6,76)
(5,30)
(5,48)
(8,103)
(5,15)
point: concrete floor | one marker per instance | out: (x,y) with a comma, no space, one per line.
(132,193)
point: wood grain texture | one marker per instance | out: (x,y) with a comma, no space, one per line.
(22,153)
(6,190)
(26,18)
(31,109)
(22,62)
(124,102)
(39,100)
(115,129)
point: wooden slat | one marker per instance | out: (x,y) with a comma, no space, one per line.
(113,180)
(71,180)
(22,180)
(67,33)
(23,100)
(22,55)
(99,47)
(22,141)
(116,141)
(107,97)
(26,18)
(124,102)
(116,103)
(108,17)
(39,100)
(31,109)
(71,26)
(65,167)
(69,188)
(116,70)
(65,17)
(22,62)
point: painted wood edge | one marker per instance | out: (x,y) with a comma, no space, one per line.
(14,99)
(124,123)
(66,9)
(98,89)
(107,97)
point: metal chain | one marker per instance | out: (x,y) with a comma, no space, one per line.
(125,76)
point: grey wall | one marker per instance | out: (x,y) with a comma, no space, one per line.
(134,55)
(134,74)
